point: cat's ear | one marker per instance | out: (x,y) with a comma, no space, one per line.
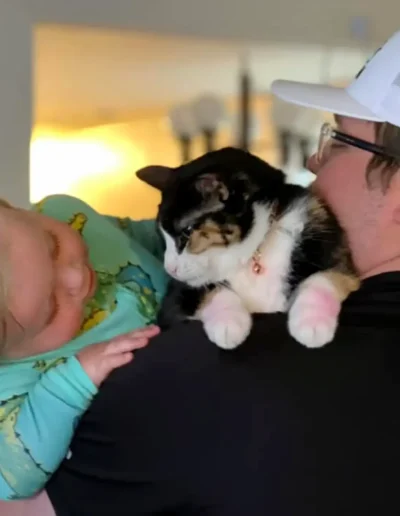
(156,176)
(211,186)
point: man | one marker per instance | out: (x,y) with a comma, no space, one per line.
(272,428)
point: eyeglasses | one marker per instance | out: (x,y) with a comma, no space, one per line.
(328,133)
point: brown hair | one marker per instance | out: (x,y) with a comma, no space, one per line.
(387,136)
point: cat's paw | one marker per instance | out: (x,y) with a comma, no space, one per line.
(313,317)
(228,328)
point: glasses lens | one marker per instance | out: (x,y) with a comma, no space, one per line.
(324,138)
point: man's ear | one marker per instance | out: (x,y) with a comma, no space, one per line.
(156,176)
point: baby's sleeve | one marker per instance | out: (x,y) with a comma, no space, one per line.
(37,429)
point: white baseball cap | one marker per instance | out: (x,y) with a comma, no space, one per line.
(373,95)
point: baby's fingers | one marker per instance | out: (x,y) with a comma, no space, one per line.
(125,344)
(117,360)
(147,332)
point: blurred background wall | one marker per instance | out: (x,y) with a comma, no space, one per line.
(89,88)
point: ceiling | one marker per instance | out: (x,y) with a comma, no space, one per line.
(324,22)
(85,75)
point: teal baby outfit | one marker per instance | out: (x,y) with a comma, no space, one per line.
(43,397)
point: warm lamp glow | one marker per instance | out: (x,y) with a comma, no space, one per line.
(97,165)
(59,163)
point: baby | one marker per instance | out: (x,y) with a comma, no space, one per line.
(76,287)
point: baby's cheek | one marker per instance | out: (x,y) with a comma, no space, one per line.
(60,331)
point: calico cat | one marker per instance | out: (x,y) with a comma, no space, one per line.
(239,240)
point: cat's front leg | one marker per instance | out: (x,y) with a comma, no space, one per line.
(226,321)
(314,314)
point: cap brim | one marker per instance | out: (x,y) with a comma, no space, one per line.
(323,97)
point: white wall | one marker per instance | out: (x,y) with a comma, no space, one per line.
(15,102)
(100,75)
(309,21)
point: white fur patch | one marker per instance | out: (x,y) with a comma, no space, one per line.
(171,255)
(226,321)
(313,316)
(265,293)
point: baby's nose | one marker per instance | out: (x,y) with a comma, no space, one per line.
(72,277)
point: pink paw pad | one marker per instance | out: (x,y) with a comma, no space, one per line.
(226,322)
(320,300)
(313,317)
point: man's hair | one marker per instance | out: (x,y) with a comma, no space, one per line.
(387,136)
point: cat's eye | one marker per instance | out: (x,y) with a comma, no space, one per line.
(184,237)
(188,230)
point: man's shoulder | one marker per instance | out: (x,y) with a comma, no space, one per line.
(182,361)
(186,344)
(183,408)
(185,348)
(183,354)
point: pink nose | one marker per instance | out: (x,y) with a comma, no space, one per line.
(171,269)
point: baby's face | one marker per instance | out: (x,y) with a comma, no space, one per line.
(48,280)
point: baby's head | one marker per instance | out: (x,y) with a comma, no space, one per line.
(46,280)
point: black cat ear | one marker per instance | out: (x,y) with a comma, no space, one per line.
(209,185)
(156,176)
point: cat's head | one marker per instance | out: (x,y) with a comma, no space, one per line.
(214,213)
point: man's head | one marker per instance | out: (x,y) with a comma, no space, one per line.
(358,162)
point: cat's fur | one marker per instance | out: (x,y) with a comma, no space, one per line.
(215,213)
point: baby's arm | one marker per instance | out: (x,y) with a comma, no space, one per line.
(37,428)
(36,433)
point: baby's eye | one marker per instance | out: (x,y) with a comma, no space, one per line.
(55,244)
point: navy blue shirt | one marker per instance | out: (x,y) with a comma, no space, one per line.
(271,428)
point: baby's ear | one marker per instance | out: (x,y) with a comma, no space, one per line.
(212,187)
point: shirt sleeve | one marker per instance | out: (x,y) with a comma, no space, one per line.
(145,232)
(37,429)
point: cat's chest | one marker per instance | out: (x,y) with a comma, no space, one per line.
(266,291)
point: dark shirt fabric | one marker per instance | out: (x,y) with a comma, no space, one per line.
(271,429)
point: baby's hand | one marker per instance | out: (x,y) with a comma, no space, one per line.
(98,360)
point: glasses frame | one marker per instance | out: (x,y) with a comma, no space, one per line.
(328,132)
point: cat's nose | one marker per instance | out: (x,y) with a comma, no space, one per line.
(171,269)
